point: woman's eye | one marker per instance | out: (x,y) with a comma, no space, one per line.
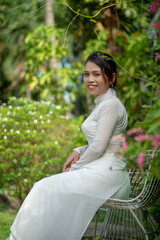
(97,75)
(86,74)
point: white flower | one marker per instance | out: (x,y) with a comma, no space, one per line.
(50,112)
(42,122)
(11,130)
(48,120)
(41,117)
(35,121)
(25,180)
(5,119)
(5,137)
(61,116)
(64,117)
(8,112)
(18,132)
(34,131)
(5,130)
(42,130)
(3,125)
(10,107)
(4,104)
(30,112)
(28,131)
(58,107)
(56,142)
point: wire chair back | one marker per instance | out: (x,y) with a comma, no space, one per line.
(145,189)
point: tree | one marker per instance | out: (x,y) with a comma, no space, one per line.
(17,19)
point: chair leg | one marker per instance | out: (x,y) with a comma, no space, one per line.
(104,229)
(140,224)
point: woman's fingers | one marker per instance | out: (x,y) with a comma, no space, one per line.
(66,170)
(73,157)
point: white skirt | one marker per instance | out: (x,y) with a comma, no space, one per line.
(61,207)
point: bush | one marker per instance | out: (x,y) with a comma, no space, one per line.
(35,140)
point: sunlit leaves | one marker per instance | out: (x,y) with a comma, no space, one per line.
(35,140)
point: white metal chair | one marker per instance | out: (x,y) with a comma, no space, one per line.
(124,219)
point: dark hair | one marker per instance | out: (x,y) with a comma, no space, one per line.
(106,63)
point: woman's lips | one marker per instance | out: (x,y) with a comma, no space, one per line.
(92,86)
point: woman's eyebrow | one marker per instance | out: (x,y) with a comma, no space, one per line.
(94,71)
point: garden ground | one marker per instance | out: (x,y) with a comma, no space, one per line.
(6,218)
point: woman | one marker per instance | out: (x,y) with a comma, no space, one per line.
(60,207)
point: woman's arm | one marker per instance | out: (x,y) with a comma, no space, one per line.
(81,149)
(107,120)
(73,157)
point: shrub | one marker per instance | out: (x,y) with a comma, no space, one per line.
(35,140)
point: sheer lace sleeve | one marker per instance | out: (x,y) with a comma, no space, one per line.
(107,119)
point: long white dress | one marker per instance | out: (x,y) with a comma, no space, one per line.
(60,207)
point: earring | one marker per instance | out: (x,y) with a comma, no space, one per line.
(111,84)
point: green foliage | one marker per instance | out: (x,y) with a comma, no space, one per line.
(17,18)
(148,137)
(155,211)
(98,44)
(35,140)
(42,45)
(131,78)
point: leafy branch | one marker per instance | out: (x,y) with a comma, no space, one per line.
(78,14)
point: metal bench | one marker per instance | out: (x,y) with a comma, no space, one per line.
(124,219)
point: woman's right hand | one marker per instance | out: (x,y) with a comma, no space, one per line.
(72,159)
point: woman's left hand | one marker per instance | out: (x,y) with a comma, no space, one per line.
(73,157)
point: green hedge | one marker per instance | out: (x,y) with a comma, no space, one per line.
(35,140)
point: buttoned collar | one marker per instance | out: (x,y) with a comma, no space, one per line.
(110,93)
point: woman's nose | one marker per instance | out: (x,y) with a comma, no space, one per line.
(90,78)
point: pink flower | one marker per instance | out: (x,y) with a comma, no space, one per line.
(141,137)
(159,32)
(123,141)
(140,160)
(134,131)
(156,140)
(154,6)
(157,24)
(157,91)
(157,55)
(117,137)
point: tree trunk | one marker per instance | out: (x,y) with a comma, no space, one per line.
(49,14)
(50,21)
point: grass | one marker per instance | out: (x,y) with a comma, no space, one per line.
(6,218)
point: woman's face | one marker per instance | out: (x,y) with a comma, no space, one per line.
(94,79)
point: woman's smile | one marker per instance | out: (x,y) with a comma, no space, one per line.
(91,86)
